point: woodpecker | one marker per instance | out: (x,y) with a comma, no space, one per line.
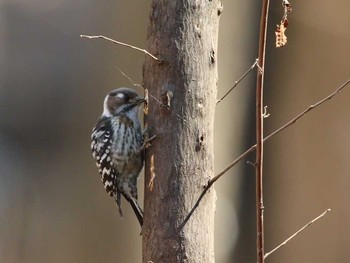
(117,147)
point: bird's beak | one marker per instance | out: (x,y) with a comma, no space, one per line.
(139,100)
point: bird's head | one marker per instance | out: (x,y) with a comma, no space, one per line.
(122,100)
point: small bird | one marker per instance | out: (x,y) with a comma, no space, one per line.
(117,147)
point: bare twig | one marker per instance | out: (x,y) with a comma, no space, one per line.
(122,44)
(128,78)
(239,80)
(296,233)
(291,122)
(252,148)
(260,233)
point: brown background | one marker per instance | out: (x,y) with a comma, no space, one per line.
(52,205)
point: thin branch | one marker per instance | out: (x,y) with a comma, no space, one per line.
(252,148)
(291,122)
(122,44)
(128,78)
(239,80)
(260,232)
(296,233)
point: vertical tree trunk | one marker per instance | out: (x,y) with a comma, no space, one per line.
(185,35)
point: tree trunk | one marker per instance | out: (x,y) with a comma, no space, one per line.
(185,35)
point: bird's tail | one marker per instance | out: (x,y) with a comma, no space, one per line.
(134,204)
(137,210)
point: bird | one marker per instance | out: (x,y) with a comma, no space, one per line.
(117,147)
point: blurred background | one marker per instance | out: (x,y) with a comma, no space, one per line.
(53,207)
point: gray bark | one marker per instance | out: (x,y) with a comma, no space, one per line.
(185,35)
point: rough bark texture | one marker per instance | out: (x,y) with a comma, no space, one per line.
(185,35)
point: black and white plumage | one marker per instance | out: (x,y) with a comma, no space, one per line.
(116,144)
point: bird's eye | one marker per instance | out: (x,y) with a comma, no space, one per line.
(120,96)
